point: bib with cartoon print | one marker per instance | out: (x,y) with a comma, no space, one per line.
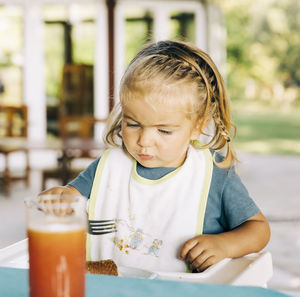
(154,217)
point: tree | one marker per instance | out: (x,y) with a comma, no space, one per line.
(263,50)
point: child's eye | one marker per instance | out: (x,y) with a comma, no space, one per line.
(132,125)
(165,131)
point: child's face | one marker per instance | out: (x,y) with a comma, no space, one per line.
(157,135)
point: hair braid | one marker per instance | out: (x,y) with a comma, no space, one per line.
(223,126)
(216,105)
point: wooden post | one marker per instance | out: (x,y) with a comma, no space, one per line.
(111,63)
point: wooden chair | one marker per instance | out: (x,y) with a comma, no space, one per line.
(13,121)
(76,126)
(13,133)
(76,92)
(79,127)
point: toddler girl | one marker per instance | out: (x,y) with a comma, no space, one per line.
(177,203)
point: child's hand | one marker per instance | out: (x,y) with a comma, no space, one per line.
(58,205)
(62,190)
(203,251)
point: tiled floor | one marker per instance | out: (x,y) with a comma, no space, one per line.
(272,181)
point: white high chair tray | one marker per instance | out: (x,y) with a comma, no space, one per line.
(251,270)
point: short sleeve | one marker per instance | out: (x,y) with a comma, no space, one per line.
(84,181)
(228,202)
(237,205)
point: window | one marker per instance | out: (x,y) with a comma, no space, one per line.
(182,26)
(138,31)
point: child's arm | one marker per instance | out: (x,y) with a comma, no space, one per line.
(62,190)
(205,250)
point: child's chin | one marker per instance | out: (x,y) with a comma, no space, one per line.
(148,164)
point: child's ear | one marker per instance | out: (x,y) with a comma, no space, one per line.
(201,124)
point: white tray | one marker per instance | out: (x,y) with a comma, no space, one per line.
(251,270)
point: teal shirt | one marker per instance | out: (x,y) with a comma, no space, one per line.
(228,203)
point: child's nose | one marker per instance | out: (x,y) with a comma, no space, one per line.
(145,137)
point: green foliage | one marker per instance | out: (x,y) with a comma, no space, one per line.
(279,30)
(263,50)
(238,58)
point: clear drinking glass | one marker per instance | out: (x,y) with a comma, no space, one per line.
(56,229)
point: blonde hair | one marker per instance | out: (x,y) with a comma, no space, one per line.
(160,66)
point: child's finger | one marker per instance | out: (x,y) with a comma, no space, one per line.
(188,245)
(207,263)
(199,260)
(194,252)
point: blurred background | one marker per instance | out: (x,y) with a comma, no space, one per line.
(60,66)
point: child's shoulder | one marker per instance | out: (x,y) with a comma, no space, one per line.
(223,176)
(218,157)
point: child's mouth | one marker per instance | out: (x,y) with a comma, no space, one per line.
(145,157)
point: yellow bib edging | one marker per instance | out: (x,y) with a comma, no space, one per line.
(204,194)
(205,191)
(93,197)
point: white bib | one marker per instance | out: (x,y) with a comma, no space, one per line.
(154,217)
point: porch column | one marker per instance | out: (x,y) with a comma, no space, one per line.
(101,93)
(161,21)
(101,63)
(201,30)
(33,71)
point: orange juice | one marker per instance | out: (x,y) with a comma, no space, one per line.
(57,262)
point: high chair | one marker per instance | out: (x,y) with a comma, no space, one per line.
(252,270)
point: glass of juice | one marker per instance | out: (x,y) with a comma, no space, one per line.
(56,229)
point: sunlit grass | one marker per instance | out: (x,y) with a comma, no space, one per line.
(271,146)
(267,131)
